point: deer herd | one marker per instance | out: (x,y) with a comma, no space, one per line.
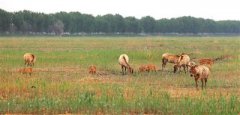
(199,71)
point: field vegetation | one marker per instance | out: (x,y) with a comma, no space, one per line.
(60,82)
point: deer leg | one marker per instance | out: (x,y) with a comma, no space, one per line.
(205,82)
(164,63)
(184,67)
(25,63)
(175,68)
(122,70)
(196,80)
(125,70)
(202,83)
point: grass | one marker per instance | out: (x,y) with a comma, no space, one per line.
(61,83)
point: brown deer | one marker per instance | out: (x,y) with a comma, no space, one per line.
(92,69)
(169,58)
(27,70)
(200,72)
(148,68)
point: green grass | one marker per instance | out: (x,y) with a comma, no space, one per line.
(63,85)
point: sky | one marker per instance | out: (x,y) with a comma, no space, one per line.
(158,9)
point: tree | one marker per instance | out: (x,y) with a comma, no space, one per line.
(148,24)
(28,22)
(119,23)
(26,27)
(5,20)
(12,28)
(132,25)
(58,27)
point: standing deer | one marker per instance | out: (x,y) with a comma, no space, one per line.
(200,72)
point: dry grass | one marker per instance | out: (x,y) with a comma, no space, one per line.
(60,82)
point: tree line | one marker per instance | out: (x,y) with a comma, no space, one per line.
(27,22)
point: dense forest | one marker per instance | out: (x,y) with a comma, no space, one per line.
(27,22)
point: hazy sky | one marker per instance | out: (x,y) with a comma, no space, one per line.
(211,9)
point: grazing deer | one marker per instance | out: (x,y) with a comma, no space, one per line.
(29,59)
(183,61)
(169,58)
(123,61)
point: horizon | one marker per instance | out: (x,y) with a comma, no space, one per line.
(158,9)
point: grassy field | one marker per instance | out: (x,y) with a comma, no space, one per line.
(60,82)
